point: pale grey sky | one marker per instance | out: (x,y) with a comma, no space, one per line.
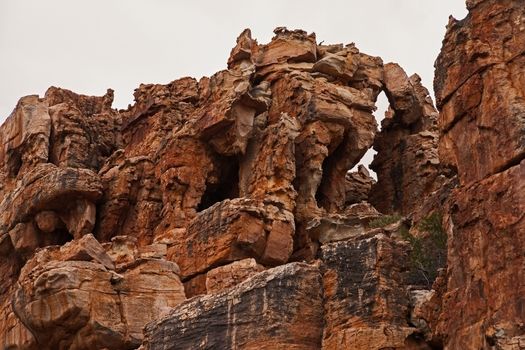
(89,46)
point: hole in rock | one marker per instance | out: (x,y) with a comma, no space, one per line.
(382,105)
(226,185)
(366,161)
(61,237)
(382,108)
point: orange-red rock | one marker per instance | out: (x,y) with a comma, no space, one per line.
(232,274)
(72,297)
(407,162)
(485,263)
(232,230)
(111,219)
(479,86)
(480,91)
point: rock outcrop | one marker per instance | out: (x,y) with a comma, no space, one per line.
(365,301)
(480,90)
(407,163)
(280,308)
(77,292)
(221,213)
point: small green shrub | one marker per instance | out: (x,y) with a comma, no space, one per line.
(429,251)
(384,221)
(432,225)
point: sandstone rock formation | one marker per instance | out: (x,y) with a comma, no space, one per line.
(221,213)
(365,301)
(74,297)
(407,163)
(480,89)
(277,309)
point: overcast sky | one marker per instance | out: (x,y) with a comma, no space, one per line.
(89,46)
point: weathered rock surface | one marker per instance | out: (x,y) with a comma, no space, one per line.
(336,227)
(365,296)
(407,162)
(222,277)
(222,178)
(485,258)
(480,72)
(73,298)
(280,308)
(358,185)
(214,190)
(232,230)
(480,90)
(232,274)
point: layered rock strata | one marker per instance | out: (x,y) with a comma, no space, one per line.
(220,213)
(365,294)
(277,309)
(200,186)
(480,90)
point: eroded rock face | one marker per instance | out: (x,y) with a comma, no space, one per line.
(358,185)
(365,294)
(197,187)
(76,292)
(407,162)
(232,230)
(214,190)
(485,263)
(480,71)
(276,309)
(230,275)
(480,90)
(52,150)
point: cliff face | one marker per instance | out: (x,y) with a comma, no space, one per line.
(480,90)
(220,214)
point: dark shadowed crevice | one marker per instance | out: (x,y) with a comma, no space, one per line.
(509,164)
(418,341)
(14,163)
(226,185)
(329,167)
(396,176)
(58,237)
(320,197)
